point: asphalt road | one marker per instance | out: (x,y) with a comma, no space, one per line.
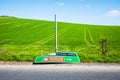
(60,72)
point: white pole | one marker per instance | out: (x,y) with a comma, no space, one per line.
(56,49)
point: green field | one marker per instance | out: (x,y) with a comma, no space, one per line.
(24,39)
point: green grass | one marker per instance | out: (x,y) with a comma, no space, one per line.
(24,39)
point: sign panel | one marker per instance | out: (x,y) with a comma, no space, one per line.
(53,59)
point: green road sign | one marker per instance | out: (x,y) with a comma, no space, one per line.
(58,57)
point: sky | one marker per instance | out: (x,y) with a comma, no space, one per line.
(100,12)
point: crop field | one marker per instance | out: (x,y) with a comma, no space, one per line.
(24,39)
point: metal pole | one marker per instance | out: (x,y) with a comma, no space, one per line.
(56,49)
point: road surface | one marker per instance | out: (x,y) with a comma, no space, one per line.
(60,72)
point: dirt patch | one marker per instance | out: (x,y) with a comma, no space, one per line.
(15,63)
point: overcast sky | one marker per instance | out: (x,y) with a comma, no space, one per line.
(101,12)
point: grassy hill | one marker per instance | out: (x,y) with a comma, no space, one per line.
(24,39)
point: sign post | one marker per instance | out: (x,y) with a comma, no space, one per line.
(56,48)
